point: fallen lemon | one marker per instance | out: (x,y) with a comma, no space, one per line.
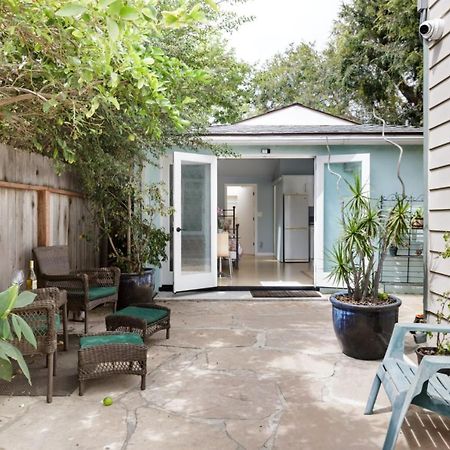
(107,401)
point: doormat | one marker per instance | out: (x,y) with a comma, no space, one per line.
(284,293)
(64,383)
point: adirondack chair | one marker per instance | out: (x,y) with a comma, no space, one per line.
(406,384)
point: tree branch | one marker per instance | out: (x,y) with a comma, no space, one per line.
(28,95)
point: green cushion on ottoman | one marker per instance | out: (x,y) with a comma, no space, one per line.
(105,339)
(100,292)
(148,314)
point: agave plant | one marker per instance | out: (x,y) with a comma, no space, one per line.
(13,327)
(368,231)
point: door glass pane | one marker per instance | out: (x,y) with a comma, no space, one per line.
(334,196)
(195,217)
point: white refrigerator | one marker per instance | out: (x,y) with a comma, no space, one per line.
(296,228)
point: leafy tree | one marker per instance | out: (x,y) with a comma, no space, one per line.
(380,58)
(299,74)
(108,86)
(373,60)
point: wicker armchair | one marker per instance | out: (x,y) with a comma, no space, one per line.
(86,289)
(42,317)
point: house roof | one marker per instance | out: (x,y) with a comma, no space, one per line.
(239,129)
(295,114)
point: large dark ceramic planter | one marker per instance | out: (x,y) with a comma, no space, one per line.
(363,331)
(136,288)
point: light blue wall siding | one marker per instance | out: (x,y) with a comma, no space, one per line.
(383,159)
(383,162)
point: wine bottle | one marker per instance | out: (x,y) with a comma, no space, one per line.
(31,280)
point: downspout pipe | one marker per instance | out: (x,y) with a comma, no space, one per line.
(422,8)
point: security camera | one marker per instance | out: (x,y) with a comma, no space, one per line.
(432,30)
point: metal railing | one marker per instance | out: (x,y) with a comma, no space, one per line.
(404,265)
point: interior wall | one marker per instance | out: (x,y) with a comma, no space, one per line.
(243,197)
(262,172)
(295,167)
(264,216)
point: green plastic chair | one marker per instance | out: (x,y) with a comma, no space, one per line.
(407,384)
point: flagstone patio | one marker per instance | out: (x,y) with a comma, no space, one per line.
(234,375)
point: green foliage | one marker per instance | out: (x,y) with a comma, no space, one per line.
(367,233)
(380,58)
(446,252)
(73,71)
(108,86)
(373,59)
(299,74)
(12,327)
(418,213)
(443,310)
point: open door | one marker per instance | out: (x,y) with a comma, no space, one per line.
(330,191)
(195,221)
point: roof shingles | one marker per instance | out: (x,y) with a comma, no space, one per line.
(277,130)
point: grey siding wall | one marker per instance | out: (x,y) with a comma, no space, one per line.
(438,154)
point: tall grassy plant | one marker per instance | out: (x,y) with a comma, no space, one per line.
(367,233)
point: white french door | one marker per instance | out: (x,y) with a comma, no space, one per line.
(194,221)
(330,191)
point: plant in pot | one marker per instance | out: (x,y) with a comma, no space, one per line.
(364,317)
(442,346)
(417,219)
(125,208)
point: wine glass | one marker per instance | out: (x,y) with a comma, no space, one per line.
(18,278)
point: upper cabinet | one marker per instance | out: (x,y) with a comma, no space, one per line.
(299,184)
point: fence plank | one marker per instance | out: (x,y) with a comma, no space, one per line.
(40,208)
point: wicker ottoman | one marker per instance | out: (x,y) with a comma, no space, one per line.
(110,353)
(142,318)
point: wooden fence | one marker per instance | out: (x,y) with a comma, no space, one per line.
(38,208)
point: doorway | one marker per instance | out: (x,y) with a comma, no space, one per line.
(249,185)
(201,234)
(243,198)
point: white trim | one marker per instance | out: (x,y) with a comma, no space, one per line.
(166,276)
(193,280)
(312,140)
(320,276)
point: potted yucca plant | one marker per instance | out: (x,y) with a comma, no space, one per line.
(363,316)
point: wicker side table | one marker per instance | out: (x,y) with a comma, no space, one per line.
(110,353)
(142,318)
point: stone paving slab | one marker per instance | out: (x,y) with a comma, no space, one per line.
(237,375)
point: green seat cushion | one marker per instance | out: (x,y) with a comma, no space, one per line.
(40,325)
(95,293)
(100,292)
(105,339)
(148,314)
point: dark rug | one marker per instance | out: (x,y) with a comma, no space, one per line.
(64,383)
(284,293)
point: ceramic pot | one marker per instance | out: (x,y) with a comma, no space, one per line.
(136,288)
(429,351)
(364,331)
